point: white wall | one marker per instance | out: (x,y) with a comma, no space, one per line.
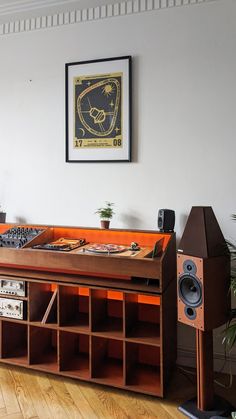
(184,124)
(184,119)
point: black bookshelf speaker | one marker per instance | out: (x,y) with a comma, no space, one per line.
(166,220)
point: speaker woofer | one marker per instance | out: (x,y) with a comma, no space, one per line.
(190,290)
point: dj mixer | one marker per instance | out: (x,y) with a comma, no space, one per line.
(17,237)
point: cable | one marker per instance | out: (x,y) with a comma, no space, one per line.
(227,386)
(186,372)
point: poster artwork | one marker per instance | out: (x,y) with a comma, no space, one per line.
(97,111)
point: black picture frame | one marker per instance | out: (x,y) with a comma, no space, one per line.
(98,107)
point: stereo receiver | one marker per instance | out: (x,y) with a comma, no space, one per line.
(11,308)
(12,287)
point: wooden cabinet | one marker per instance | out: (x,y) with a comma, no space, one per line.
(107,325)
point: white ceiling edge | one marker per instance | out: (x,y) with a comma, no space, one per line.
(12,9)
(16,6)
(112,9)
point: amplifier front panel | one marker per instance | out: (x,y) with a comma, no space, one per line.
(13,309)
(12,287)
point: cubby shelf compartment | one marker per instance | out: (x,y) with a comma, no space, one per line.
(43,352)
(107,360)
(43,303)
(107,312)
(143,368)
(107,319)
(74,308)
(14,342)
(74,354)
(142,318)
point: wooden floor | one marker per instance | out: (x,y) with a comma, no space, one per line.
(31,395)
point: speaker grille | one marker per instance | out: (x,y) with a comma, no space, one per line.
(190,290)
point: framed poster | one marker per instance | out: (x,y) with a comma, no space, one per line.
(98,110)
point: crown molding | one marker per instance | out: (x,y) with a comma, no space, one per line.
(89,14)
(12,7)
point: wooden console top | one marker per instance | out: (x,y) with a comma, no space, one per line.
(122,265)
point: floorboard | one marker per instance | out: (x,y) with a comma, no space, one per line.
(26,394)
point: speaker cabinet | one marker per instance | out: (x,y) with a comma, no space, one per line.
(203,266)
(203,291)
(166,220)
(203,281)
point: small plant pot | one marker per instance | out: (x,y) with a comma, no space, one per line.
(105,224)
(2,217)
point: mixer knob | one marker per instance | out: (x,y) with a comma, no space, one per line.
(9,306)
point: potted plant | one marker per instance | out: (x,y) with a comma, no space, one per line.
(105,213)
(2,216)
(230,331)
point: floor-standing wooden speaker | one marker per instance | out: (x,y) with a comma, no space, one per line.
(203,266)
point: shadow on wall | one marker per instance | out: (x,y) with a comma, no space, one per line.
(182,223)
(21,220)
(131,221)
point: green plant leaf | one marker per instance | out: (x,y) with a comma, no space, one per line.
(230,330)
(230,335)
(233,313)
(106,212)
(233,285)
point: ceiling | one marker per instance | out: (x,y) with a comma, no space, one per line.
(14,6)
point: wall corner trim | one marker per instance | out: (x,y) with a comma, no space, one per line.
(93,13)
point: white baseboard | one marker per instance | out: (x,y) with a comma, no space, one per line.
(187,357)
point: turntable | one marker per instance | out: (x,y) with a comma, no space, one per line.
(62,244)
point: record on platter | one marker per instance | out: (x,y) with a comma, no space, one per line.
(105,248)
